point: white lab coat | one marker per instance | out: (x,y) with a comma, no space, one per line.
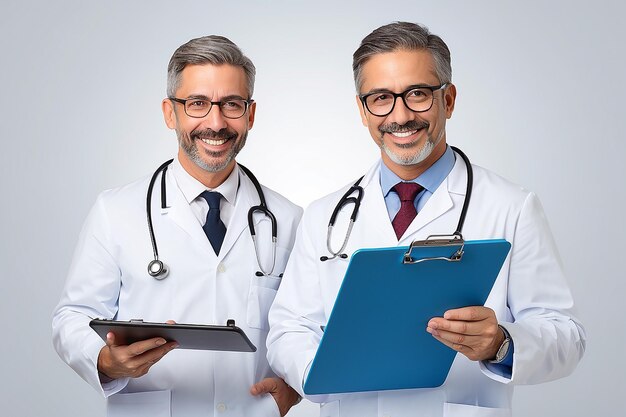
(108,278)
(530,296)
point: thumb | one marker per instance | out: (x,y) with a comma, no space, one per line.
(111,339)
(264,386)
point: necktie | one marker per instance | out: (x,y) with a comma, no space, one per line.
(407,192)
(214,228)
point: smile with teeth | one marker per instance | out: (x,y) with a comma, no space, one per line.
(404,134)
(214,142)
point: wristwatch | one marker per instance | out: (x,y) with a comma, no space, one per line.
(504,347)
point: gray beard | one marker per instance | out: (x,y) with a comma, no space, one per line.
(191,150)
(421,156)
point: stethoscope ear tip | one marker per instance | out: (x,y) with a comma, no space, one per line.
(326,258)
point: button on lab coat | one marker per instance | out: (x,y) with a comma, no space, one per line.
(530,296)
(109,279)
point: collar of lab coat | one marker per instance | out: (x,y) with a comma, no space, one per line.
(180,213)
(192,188)
(375,216)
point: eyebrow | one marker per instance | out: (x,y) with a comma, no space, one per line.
(225,98)
(197,96)
(232,97)
(386,90)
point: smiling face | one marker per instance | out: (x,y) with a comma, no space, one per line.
(208,145)
(410,142)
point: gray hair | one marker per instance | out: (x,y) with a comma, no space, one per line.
(402,36)
(215,50)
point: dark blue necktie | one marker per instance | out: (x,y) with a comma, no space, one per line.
(214,228)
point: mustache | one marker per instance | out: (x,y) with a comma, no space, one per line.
(410,125)
(212,134)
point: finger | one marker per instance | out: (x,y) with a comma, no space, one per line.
(264,386)
(170,322)
(110,339)
(142,363)
(474,313)
(470,328)
(143,368)
(138,348)
(454,346)
(458,339)
(155,354)
(475,349)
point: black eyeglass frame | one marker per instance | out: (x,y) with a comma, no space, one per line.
(184,103)
(402,95)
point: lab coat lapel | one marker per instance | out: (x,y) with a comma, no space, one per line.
(373,218)
(179,212)
(239,221)
(440,202)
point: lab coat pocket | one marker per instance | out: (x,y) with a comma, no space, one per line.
(151,403)
(464,410)
(260,299)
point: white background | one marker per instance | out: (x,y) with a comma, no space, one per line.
(540,101)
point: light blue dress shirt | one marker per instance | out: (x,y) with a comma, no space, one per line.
(430,180)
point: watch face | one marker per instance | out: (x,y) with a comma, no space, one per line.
(504,349)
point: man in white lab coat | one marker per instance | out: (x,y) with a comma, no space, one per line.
(525,333)
(203,237)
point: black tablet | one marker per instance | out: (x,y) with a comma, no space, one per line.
(188,336)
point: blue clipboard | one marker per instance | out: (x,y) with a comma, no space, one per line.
(376,335)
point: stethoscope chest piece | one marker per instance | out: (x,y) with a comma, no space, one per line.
(157,269)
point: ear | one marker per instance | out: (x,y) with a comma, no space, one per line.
(169,113)
(362,111)
(251,112)
(449,99)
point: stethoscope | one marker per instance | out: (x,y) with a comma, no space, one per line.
(158,270)
(349,198)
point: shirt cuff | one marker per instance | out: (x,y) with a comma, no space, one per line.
(504,368)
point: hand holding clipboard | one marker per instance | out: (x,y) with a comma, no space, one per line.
(372,340)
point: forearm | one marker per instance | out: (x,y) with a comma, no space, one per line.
(539,308)
(547,347)
(79,347)
(91,290)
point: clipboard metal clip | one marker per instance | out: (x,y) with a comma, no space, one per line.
(454,240)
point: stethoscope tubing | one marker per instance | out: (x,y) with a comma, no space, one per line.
(262,207)
(348,198)
(162,168)
(468,189)
(158,270)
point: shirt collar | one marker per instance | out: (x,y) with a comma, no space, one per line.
(430,179)
(192,188)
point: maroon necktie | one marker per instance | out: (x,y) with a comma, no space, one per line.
(407,192)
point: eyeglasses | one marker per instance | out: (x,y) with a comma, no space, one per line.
(417,99)
(198,108)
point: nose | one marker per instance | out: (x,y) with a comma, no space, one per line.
(400,113)
(215,120)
